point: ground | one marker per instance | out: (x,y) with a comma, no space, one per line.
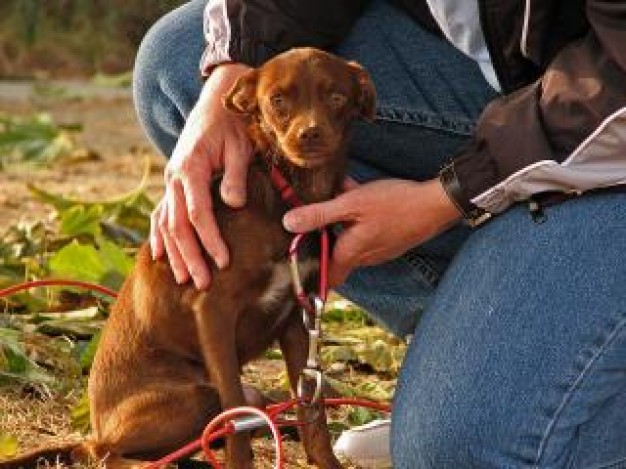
(110,131)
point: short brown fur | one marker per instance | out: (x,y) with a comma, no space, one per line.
(170,356)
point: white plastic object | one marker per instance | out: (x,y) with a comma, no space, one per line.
(366,445)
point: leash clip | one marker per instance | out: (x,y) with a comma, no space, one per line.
(309,389)
(306,395)
(312,373)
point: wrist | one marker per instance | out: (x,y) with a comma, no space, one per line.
(472,214)
(222,79)
(446,210)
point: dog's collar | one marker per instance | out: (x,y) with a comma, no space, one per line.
(286,190)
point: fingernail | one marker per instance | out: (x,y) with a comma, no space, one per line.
(235,195)
(180,275)
(221,262)
(291,222)
(201,284)
(152,246)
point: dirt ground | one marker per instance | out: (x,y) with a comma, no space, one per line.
(110,131)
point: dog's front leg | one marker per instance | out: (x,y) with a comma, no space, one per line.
(315,436)
(217,334)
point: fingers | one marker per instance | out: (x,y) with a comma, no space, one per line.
(171,232)
(182,233)
(156,240)
(181,274)
(236,162)
(314,216)
(199,211)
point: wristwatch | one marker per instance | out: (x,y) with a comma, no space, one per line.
(472,214)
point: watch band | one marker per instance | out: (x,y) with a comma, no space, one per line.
(472,214)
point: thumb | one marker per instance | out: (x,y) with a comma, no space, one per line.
(314,216)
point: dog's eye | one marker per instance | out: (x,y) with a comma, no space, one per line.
(337,100)
(278,101)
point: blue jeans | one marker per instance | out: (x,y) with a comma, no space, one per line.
(519,355)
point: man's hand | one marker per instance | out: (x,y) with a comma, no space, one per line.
(212,140)
(381,221)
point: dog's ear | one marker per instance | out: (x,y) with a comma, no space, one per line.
(366,99)
(241,98)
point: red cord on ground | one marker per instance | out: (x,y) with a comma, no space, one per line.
(213,431)
(55,283)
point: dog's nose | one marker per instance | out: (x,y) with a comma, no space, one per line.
(310,134)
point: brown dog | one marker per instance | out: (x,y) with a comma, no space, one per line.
(170,356)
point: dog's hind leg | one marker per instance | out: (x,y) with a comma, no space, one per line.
(154,422)
(315,436)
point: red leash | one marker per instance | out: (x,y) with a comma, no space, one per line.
(238,420)
(55,283)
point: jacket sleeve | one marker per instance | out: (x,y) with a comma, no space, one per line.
(565,132)
(252,31)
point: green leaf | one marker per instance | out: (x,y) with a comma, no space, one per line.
(8,445)
(74,328)
(273,354)
(130,211)
(15,365)
(338,353)
(115,258)
(374,391)
(78,261)
(36,139)
(81,219)
(80,415)
(362,415)
(344,315)
(107,265)
(336,427)
(134,198)
(120,80)
(86,357)
(339,387)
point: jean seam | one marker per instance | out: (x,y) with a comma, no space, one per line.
(425,119)
(427,272)
(612,465)
(573,388)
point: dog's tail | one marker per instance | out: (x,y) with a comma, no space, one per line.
(64,453)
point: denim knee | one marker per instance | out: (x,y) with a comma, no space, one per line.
(427,435)
(166,77)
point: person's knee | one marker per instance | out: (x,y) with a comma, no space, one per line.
(424,436)
(153,57)
(166,76)
(438,428)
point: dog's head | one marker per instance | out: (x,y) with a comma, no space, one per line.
(302,102)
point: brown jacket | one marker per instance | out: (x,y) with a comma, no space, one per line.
(560,123)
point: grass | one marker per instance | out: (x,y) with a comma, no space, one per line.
(73,37)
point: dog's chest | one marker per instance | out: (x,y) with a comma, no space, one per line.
(280,286)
